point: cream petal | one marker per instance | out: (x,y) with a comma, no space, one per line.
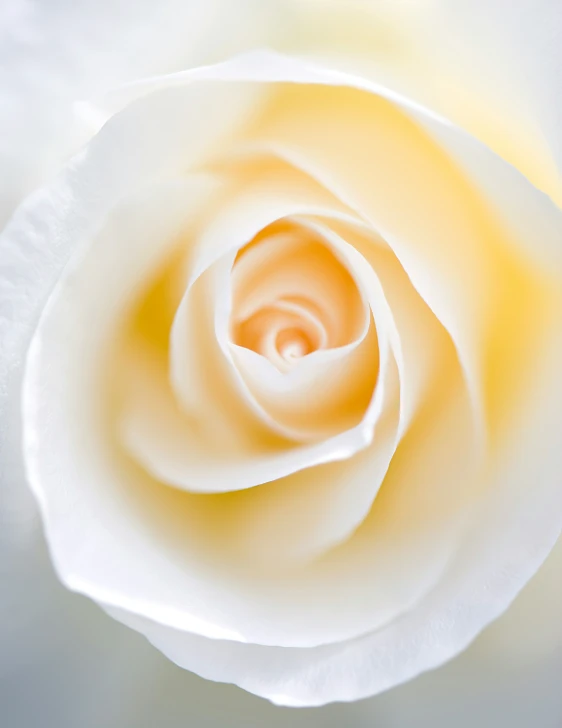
(422,330)
(262,522)
(405,550)
(445,282)
(462,59)
(329,391)
(62,218)
(419,340)
(59,220)
(307,271)
(179,451)
(125,156)
(339,384)
(477,160)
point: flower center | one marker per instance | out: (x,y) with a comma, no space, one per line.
(293,344)
(292,297)
(284,331)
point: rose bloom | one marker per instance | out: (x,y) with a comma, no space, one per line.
(281,320)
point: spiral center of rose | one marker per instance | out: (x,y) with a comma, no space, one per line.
(292,297)
(292,344)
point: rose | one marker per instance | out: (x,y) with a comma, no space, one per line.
(419,384)
(498,273)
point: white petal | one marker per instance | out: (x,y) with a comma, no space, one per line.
(54,59)
(461,58)
(265,67)
(505,87)
(36,245)
(67,651)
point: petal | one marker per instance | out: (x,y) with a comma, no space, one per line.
(261,204)
(336,379)
(66,652)
(339,382)
(419,341)
(475,157)
(54,60)
(462,59)
(507,86)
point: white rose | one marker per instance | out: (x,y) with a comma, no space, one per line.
(287,347)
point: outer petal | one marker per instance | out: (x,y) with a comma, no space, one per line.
(526,82)
(54,56)
(492,67)
(83,669)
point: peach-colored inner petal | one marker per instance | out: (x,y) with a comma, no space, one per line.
(309,294)
(296,305)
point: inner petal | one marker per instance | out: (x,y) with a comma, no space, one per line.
(291,296)
(283,332)
(292,344)
(300,332)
